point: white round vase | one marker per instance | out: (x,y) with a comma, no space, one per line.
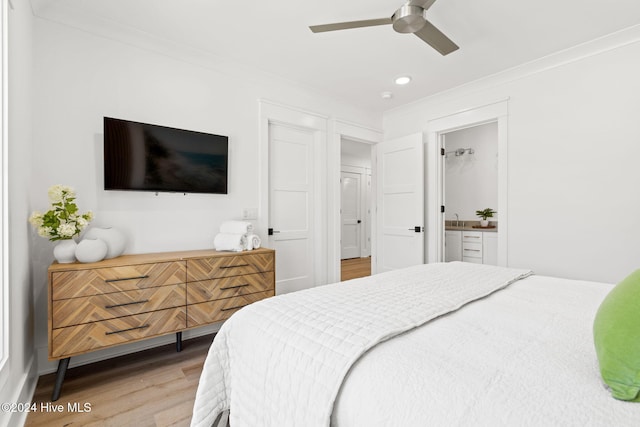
(65,251)
(113,238)
(484,223)
(91,250)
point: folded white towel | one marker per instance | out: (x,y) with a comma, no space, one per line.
(236,227)
(234,242)
(253,241)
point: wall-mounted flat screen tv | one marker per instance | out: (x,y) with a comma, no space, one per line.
(145,157)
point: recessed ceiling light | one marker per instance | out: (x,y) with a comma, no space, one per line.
(386,95)
(403,80)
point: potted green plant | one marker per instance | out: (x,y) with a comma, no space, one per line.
(485,214)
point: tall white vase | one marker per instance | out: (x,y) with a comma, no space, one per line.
(65,251)
(114,238)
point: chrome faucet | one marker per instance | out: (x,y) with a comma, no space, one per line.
(457,220)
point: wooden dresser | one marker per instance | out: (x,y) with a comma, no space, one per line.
(134,297)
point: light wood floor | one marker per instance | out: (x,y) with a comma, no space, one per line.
(154,387)
(355,267)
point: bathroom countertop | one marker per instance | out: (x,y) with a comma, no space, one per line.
(469,226)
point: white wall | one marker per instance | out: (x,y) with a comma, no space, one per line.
(80,77)
(21,381)
(573,147)
(354,153)
(471,180)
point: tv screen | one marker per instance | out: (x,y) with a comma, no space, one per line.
(145,157)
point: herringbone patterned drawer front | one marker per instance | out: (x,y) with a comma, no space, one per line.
(79,283)
(216,311)
(73,340)
(138,296)
(76,311)
(216,267)
(227,287)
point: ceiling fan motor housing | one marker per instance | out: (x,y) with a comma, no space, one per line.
(408,19)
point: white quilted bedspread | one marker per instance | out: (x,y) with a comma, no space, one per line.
(522,357)
(281,361)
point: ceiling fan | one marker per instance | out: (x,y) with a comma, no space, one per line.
(410,18)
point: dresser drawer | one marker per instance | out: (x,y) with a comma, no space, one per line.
(225,266)
(216,311)
(79,283)
(73,340)
(227,287)
(76,311)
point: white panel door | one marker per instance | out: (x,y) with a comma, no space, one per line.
(291,206)
(350,215)
(400,189)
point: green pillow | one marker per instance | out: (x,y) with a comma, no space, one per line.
(616,333)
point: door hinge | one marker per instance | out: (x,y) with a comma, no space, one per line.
(442,151)
(442,208)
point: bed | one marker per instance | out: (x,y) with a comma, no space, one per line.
(433,345)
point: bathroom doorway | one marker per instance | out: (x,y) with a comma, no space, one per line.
(470,176)
(498,113)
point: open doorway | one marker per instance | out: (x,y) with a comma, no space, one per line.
(471,185)
(355,209)
(435,192)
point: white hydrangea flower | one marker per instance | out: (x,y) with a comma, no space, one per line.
(36,219)
(82,223)
(44,231)
(67,230)
(59,193)
(55,194)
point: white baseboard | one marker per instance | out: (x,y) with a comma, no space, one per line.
(23,393)
(45,366)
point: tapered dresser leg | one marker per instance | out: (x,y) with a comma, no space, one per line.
(178,341)
(63,364)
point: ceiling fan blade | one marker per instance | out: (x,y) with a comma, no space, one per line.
(425,4)
(348,25)
(436,39)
